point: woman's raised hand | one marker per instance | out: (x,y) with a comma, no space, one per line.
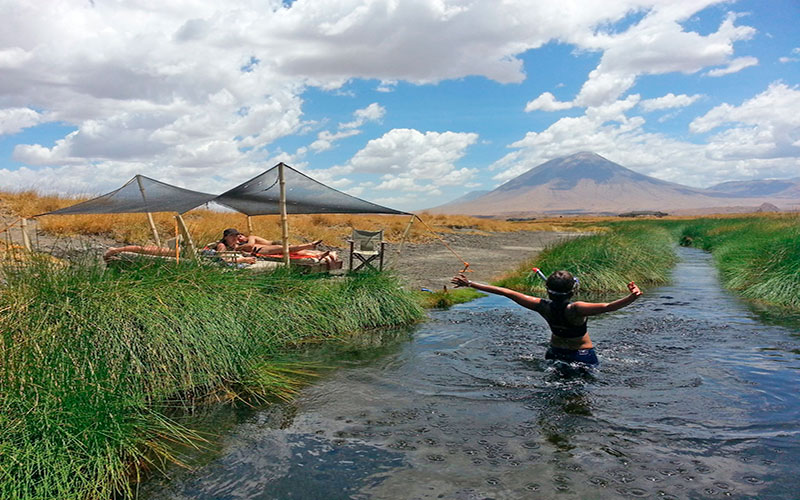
(460,281)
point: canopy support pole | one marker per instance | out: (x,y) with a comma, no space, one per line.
(149,215)
(177,243)
(153,229)
(284,218)
(26,241)
(250,230)
(191,252)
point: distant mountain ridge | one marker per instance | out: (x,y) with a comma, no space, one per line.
(588,183)
(782,188)
(472,195)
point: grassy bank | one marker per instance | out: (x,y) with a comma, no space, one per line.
(758,256)
(444,299)
(604,262)
(94,363)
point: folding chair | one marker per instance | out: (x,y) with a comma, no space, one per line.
(366,246)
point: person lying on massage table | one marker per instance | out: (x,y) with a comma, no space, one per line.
(233,240)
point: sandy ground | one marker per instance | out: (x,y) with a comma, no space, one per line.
(432,265)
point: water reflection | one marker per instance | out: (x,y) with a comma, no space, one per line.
(559,417)
(695,398)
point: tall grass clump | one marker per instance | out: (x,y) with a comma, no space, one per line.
(93,363)
(605,262)
(758,256)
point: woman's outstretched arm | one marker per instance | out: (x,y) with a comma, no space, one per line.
(520,298)
(594,308)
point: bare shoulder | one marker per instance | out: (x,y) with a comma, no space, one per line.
(528,301)
(587,308)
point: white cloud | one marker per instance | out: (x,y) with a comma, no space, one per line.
(188,88)
(325,139)
(657,44)
(413,161)
(795,52)
(13,120)
(428,155)
(406,184)
(669,101)
(355,191)
(372,113)
(766,126)
(386,86)
(13,57)
(734,66)
(762,140)
(547,102)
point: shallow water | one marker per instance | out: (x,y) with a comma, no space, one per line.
(696,397)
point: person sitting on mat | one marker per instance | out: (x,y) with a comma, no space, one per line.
(569,341)
(233,240)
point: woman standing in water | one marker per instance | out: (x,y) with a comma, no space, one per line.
(569,341)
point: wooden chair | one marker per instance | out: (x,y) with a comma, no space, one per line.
(366,246)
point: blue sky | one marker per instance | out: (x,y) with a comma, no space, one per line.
(409,104)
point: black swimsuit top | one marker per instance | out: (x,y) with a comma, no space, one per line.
(555,315)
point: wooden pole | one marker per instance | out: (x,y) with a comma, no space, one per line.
(250,230)
(149,215)
(9,242)
(177,243)
(191,251)
(284,218)
(26,241)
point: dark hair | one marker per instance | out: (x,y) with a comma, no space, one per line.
(561,285)
(230,232)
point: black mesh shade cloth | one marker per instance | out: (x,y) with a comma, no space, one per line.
(261,196)
(139,195)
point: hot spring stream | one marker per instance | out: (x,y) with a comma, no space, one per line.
(697,397)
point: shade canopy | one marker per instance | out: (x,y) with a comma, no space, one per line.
(139,195)
(261,196)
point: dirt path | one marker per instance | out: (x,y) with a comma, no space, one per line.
(431,265)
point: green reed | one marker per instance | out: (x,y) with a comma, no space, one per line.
(758,256)
(93,363)
(604,262)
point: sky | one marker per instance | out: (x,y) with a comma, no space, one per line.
(406,103)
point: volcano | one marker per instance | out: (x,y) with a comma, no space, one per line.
(587,183)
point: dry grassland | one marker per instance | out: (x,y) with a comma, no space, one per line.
(207,225)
